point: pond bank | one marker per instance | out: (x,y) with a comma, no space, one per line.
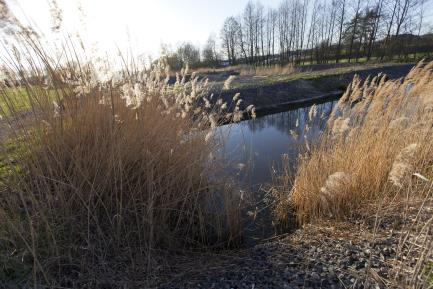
(271,94)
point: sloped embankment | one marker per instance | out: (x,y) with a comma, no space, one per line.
(272,94)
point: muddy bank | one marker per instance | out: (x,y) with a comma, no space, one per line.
(278,93)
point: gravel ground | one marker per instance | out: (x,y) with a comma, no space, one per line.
(323,255)
(314,257)
(326,255)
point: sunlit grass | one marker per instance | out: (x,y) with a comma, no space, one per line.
(375,153)
(12,151)
(100,172)
(20,98)
(363,141)
(428,271)
(309,75)
(305,75)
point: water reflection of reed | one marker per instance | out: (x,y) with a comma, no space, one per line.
(255,150)
(294,120)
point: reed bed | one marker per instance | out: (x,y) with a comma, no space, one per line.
(111,169)
(270,70)
(374,156)
(252,70)
(413,263)
(377,137)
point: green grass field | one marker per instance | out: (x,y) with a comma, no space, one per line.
(14,98)
(20,98)
(11,150)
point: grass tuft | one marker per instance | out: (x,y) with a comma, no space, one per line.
(376,150)
(105,172)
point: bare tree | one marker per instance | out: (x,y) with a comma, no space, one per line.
(331,25)
(342,16)
(210,54)
(249,30)
(373,35)
(312,34)
(271,22)
(389,28)
(189,54)
(242,44)
(260,32)
(322,31)
(230,38)
(303,20)
(355,27)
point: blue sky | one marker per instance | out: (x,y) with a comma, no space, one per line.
(140,24)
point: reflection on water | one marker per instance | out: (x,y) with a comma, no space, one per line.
(256,146)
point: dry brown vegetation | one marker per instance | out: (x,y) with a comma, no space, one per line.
(103,175)
(376,153)
(114,170)
(253,70)
(109,170)
(250,70)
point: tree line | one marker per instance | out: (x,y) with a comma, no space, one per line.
(321,31)
(191,55)
(315,31)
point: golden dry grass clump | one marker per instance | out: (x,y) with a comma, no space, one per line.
(249,70)
(252,70)
(109,170)
(378,135)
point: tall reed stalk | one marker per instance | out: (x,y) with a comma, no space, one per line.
(375,153)
(107,169)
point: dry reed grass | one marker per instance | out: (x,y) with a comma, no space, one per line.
(110,170)
(249,70)
(369,150)
(413,263)
(376,151)
(369,147)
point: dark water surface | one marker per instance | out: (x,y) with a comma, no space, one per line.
(256,146)
(254,150)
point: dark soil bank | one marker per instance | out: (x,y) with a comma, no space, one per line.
(267,92)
